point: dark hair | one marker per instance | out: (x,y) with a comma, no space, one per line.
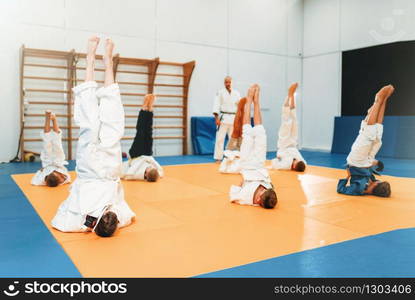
(107,225)
(52,180)
(380,167)
(269,199)
(152,175)
(300,166)
(382,189)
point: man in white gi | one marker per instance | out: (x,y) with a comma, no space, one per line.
(288,156)
(231,161)
(96,200)
(361,162)
(53,171)
(224,109)
(256,188)
(142,165)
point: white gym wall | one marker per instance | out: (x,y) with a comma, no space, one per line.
(332,26)
(251,40)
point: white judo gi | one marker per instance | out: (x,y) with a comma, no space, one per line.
(100,116)
(252,162)
(52,157)
(225,105)
(231,162)
(287,140)
(134,169)
(366,145)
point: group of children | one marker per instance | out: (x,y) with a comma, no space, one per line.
(96,200)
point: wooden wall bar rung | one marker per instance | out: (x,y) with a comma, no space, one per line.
(41,127)
(96,69)
(43,115)
(82,80)
(170,96)
(132,83)
(169,85)
(47,103)
(45,78)
(169,74)
(133,72)
(169,63)
(45,66)
(47,91)
(41,52)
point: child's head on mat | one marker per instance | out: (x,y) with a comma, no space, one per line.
(107,224)
(151,174)
(54,179)
(379,188)
(298,165)
(266,198)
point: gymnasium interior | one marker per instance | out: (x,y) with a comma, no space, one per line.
(340,52)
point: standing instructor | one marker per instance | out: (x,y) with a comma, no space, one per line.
(224,109)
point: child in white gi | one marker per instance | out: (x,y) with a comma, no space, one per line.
(142,165)
(96,200)
(361,162)
(288,156)
(231,161)
(256,188)
(53,171)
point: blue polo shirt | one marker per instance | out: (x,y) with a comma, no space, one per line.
(359,180)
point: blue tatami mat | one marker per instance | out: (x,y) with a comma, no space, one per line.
(389,254)
(27,248)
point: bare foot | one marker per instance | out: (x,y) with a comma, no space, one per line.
(256,95)
(292,89)
(251,94)
(48,112)
(391,90)
(53,116)
(92,46)
(109,47)
(383,93)
(150,102)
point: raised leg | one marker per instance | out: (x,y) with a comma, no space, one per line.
(90,58)
(291,95)
(108,62)
(111,110)
(381,114)
(143,141)
(237,123)
(86,112)
(46,128)
(257,109)
(373,113)
(55,123)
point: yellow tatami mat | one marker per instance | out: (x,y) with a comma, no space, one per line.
(186,226)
